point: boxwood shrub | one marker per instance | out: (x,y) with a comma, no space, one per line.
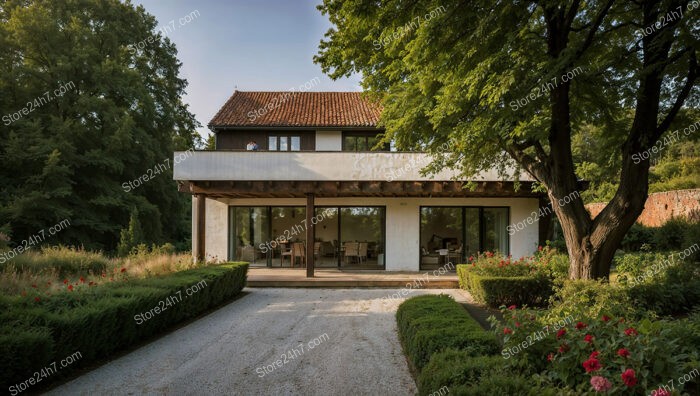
(496,291)
(495,279)
(430,324)
(452,353)
(103,320)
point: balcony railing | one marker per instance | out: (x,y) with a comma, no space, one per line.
(308,166)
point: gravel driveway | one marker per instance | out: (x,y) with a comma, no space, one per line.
(334,342)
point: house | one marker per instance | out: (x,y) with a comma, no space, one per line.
(313,177)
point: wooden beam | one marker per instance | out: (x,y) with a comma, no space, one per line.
(200,253)
(310,235)
(262,189)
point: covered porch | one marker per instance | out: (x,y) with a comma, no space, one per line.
(379,218)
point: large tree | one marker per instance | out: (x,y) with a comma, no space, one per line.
(120,114)
(511,83)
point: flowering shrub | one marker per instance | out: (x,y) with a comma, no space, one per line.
(544,262)
(595,355)
(495,280)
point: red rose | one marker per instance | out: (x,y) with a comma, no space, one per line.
(91,283)
(606,318)
(623,352)
(629,378)
(550,357)
(65,281)
(507,331)
(37,299)
(82,280)
(512,307)
(517,324)
(561,333)
(631,331)
(123,269)
(591,365)
(70,287)
(539,248)
(588,338)
(594,355)
(581,325)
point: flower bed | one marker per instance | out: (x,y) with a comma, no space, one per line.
(99,320)
(496,280)
(595,355)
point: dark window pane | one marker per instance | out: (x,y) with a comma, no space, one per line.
(495,230)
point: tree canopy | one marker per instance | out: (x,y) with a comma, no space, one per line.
(86,109)
(517,83)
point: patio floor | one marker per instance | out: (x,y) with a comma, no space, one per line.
(335,278)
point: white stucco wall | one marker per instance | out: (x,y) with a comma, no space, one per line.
(329,140)
(216,230)
(402,223)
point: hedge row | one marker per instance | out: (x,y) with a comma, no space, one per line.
(495,291)
(429,325)
(103,319)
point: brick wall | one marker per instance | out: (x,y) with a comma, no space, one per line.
(660,207)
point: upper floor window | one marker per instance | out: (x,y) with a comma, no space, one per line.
(359,141)
(284,143)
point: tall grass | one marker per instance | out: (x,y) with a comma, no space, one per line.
(51,268)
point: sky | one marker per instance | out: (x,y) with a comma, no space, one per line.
(248,45)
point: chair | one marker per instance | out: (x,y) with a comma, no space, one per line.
(456,254)
(352,249)
(284,251)
(362,251)
(298,251)
(247,253)
(317,250)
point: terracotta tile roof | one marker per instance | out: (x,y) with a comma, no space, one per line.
(297,109)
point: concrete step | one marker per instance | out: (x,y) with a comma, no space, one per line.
(347,283)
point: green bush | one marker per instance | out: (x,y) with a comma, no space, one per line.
(430,324)
(667,283)
(665,297)
(670,236)
(506,385)
(591,299)
(454,367)
(495,291)
(630,266)
(102,320)
(637,236)
(496,280)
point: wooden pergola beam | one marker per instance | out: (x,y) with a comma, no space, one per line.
(326,189)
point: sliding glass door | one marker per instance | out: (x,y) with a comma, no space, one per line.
(248,231)
(345,237)
(452,234)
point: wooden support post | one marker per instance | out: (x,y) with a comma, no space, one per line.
(199,240)
(309,235)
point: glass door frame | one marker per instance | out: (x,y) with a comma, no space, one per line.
(464,226)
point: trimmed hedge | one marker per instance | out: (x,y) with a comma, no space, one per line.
(454,368)
(449,349)
(430,324)
(103,320)
(496,291)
